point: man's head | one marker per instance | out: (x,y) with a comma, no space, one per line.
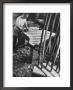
(25,15)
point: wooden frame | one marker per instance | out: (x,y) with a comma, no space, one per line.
(1,29)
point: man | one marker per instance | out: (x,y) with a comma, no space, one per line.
(21,22)
(18,28)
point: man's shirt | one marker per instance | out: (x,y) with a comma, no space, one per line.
(21,22)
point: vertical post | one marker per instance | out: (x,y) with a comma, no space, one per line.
(51,35)
(51,31)
(40,53)
(53,54)
(46,33)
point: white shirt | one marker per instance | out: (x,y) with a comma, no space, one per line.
(21,22)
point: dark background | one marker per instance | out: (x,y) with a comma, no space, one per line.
(1,39)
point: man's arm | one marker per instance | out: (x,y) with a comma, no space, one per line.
(25,26)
